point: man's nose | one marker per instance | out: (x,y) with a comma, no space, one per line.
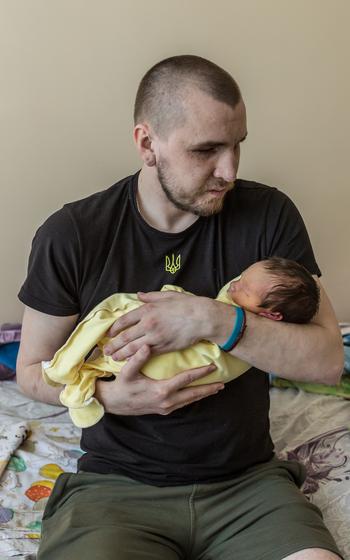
(226,167)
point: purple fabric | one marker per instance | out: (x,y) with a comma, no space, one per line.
(10,332)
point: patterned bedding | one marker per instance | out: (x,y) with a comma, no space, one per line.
(38,442)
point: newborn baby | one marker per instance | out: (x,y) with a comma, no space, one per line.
(275,288)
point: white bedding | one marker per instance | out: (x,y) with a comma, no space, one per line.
(38,441)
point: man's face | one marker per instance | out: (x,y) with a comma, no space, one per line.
(197,164)
(249,289)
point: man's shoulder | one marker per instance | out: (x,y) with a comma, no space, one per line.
(101,201)
(247,186)
(253,192)
(89,214)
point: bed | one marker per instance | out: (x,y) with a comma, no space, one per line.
(38,442)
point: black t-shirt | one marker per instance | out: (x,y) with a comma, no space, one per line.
(100,245)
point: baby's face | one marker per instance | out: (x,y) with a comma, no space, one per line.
(249,289)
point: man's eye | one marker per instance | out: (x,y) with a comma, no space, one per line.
(205,151)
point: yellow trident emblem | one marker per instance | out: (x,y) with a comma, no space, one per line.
(172,265)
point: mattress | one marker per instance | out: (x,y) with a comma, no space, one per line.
(39,441)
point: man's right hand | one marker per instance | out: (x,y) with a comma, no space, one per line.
(132,393)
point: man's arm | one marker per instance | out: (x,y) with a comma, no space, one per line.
(171,321)
(310,352)
(41,336)
(131,393)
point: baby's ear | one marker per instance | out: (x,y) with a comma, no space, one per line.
(274,315)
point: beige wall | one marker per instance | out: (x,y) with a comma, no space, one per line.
(69,70)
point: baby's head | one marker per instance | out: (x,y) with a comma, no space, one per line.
(277,288)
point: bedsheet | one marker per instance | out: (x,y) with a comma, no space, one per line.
(315,430)
(39,441)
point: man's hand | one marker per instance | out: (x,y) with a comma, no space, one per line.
(132,393)
(166,322)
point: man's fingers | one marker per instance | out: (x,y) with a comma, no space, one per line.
(163,397)
(190,395)
(133,366)
(122,341)
(124,322)
(183,379)
(129,350)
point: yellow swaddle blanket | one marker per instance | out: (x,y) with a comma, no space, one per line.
(69,367)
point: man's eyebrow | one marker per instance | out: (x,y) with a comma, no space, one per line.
(208,144)
(212,144)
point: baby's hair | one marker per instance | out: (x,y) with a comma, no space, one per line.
(296,294)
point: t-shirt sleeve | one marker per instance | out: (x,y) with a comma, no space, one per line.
(52,282)
(286,234)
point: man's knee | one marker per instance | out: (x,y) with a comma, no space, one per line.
(313,554)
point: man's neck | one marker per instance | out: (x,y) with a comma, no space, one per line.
(155,207)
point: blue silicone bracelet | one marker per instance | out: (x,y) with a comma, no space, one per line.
(236,331)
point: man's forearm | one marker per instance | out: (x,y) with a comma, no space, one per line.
(309,352)
(298,352)
(32,384)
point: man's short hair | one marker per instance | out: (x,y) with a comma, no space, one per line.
(296,294)
(159,98)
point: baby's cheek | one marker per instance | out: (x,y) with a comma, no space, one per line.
(236,299)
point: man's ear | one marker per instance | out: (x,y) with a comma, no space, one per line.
(274,315)
(143,141)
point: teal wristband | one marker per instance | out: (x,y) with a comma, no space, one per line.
(237,331)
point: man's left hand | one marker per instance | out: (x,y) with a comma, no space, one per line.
(166,322)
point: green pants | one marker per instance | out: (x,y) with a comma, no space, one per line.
(259,515)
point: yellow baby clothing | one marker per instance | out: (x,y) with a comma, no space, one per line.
(70,368)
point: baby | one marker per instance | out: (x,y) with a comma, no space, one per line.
(275,288)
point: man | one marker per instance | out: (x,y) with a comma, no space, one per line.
(171,471)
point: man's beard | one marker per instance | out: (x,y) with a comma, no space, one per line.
(187,203)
